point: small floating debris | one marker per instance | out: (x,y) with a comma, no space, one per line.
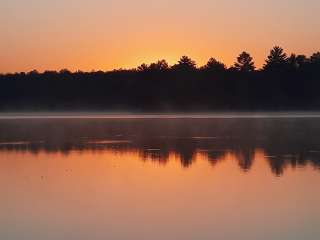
(204,138)
(314,151)
(109,142)
(19,143)
(214,150)
(270,156)
(14,143)
(288,155)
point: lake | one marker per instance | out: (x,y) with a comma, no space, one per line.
(131,177)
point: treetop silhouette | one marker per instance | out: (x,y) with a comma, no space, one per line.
(276,60)
(185,64)
(244,63)
(315,58)
(214,65)
(160,65)
(288,83)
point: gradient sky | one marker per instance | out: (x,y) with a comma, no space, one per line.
(108,34)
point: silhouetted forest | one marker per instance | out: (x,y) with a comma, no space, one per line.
(285,82)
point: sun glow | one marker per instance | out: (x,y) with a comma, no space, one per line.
(104,35)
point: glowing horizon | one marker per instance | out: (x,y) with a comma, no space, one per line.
(105,35)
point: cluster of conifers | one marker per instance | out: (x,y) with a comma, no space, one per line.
(284,83)
(277,60)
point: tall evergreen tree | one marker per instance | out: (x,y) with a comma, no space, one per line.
(214,65)
(185,64)
(244,63)
(276,60)
(315,58)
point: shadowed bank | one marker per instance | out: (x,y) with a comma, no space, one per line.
(284,83)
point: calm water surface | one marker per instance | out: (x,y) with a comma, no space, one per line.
(162,178)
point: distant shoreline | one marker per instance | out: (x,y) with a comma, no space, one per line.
(284,84)
(180,115)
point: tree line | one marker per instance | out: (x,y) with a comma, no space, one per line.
(285,82)
(277,61)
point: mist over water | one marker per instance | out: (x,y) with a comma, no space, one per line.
(209,176)
(169,115)
(283,139)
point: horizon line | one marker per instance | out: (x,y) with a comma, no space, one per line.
(148,63)
(155,115)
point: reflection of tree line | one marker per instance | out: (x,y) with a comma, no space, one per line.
(284,142)
(243,154)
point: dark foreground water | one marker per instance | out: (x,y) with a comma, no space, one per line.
(160,178)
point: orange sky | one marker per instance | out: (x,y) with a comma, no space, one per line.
(103,35)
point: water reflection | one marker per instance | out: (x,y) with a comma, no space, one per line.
(283,142)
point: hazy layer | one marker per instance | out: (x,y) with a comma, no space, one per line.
(86,35)
(124,115)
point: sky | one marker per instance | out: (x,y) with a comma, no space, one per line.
(107,34)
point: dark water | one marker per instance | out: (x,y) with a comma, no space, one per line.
(160,178)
